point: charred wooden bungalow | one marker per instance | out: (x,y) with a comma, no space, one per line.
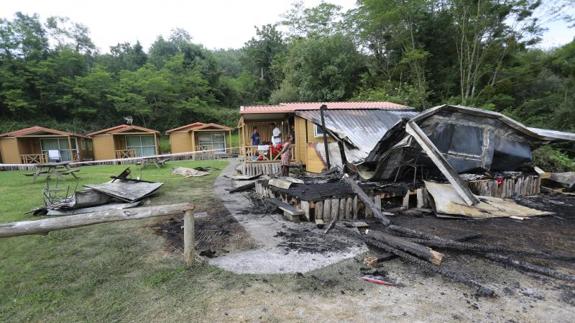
(302,120)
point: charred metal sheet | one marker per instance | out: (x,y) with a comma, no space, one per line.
(127,191)
(447,201)
(106,207)
(554,134)
(361,129)
(566,179)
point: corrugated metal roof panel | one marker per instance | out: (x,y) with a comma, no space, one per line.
(294,106)
(361,128)
(554,134)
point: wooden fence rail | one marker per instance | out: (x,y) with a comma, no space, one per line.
(45,226)
(192,155)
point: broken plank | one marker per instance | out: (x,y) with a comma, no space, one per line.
(348,207)
(318,210)
(481,289)
(287,208)
(419,250)
(280,183)
(334,208)
(327,210)
(527,266)
(420,199)
(243,177)
(305,208)
(341,212)
(437,157)
(243,188)
(380,215)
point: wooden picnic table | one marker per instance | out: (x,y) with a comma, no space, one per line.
(58,169)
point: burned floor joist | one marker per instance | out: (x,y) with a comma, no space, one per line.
(483,248)
(481,290)
(529,267)
(420,250)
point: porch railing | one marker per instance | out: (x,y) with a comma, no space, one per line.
(264,153)
(125,153)
(33,158)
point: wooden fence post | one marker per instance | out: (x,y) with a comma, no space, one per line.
(189,242)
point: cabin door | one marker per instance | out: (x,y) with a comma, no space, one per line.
(59,144)
(141,145)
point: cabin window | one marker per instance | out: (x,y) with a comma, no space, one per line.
(141,145)
(467,140)
(212,141)
(318,131)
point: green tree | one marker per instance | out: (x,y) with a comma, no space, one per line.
(324,19)
(260,53)
(323,69)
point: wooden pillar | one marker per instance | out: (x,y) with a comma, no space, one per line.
(193,138)
(157,142)
(69,148)
(230,142)
(189,242)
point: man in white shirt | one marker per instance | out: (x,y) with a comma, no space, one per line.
(276,135)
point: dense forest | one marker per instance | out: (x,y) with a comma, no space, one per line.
(420,53)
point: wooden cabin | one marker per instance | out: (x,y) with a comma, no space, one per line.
(200,136)
(125,141)
(307,132)
(32,146)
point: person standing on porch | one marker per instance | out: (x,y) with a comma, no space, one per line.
(255,137)
(286,156)
(276,135)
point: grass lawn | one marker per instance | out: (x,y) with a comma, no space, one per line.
(107,272)
(124,271)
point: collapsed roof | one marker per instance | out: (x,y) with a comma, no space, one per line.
(468,138)
(359,129)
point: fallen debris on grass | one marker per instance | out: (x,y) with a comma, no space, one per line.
(121,192)
(189,172)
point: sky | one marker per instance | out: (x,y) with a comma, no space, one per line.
(213,23)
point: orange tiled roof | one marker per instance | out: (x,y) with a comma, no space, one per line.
(294,106)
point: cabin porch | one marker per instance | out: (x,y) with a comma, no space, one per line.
(34,150)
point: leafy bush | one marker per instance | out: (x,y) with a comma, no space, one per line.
(551,159)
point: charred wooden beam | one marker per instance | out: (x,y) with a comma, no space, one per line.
(381,216)
(527,266)
(419,250)
(435,155)
(243,188)
(481,290)
(485,248)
